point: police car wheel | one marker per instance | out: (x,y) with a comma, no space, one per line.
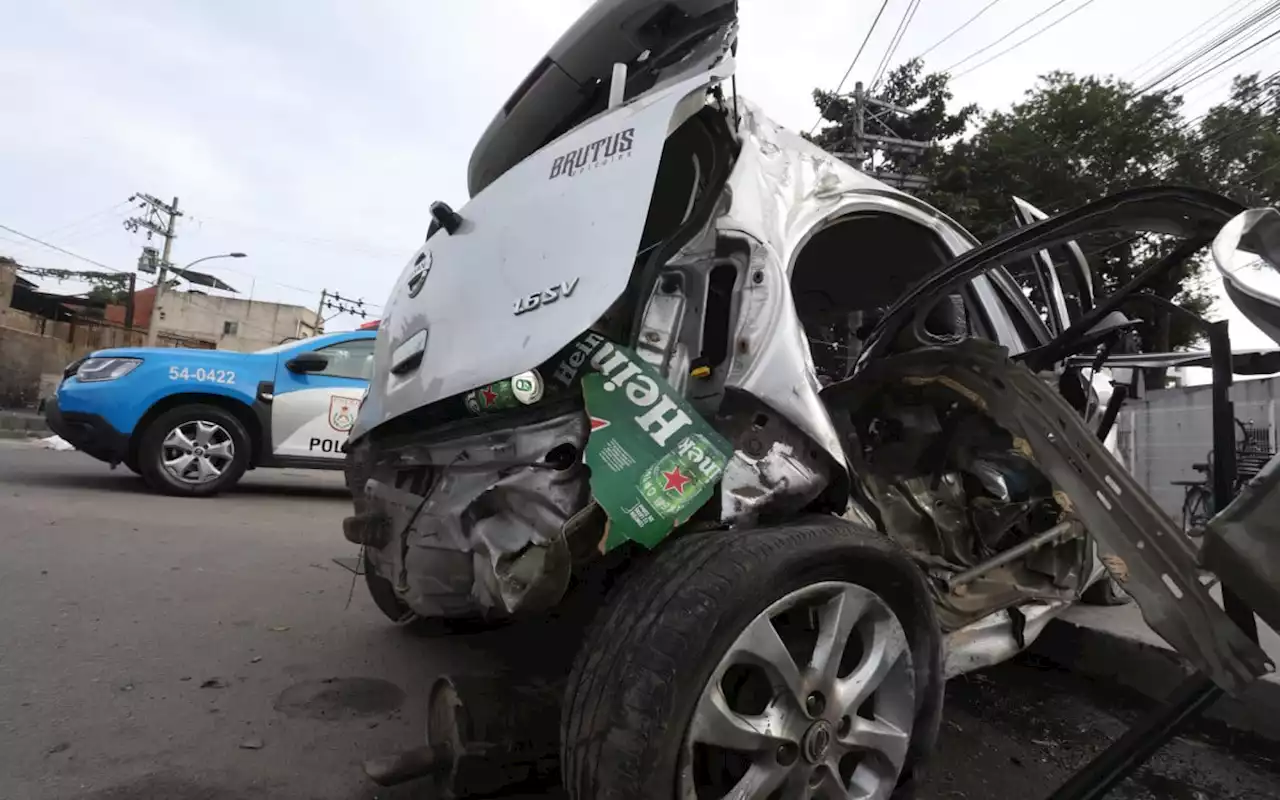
(193,450)
(796,661)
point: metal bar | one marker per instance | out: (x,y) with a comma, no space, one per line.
(1140,742)
(1052,536)
(1040,358)
(1197,693)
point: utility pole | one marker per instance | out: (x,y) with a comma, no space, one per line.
(160,219)
(128,303)
(863,145)
(319,328)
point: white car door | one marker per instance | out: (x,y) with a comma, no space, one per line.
(317,394)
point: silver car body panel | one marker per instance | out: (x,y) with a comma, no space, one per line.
(533,228)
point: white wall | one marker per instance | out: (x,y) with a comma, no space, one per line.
(1162,436)
(258,324)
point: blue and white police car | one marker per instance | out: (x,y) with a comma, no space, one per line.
(190,422)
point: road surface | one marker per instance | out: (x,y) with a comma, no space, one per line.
(189,649)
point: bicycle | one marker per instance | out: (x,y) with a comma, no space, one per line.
(1253,451)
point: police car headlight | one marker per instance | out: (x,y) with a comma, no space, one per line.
(106,369)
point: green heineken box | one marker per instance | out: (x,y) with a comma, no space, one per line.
(654,460)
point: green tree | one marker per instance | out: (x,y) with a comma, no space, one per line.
(1237,143)
(1073,139)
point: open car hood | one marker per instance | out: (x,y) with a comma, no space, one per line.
(1141,547)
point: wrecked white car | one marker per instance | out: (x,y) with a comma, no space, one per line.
(834,452)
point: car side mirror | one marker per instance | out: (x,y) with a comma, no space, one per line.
(307,362)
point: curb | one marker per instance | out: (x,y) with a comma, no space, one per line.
(1154,671)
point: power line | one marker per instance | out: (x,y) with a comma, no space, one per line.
(1237,31)
(77,223)
(1228,60)
(963,25)
(822,114)
(907,16)
(1023,41)
(62,250)
(1197,32)
(982,50)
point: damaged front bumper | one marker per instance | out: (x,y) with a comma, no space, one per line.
(483,533)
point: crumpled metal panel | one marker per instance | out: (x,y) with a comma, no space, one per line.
(1151,558)
(781,191)
(488,539)
(1242,544)
(991,640)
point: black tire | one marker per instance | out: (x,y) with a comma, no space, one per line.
(1105,592)
(647,656)
(150,450)
(132,463)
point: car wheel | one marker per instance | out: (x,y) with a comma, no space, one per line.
(789,662)
(193,450)
(1105,592)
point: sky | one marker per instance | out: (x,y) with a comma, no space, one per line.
(314,134)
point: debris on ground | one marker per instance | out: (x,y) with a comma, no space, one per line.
(252,744)
(214,683)
(55,442)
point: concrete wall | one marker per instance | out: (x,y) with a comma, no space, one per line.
(204,318)
(1161,437)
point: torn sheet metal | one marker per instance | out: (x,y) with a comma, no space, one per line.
(775,470)
(1242,544)
(1163,576)
(483,535)
(994,640)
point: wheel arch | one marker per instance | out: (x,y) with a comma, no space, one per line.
(239,409)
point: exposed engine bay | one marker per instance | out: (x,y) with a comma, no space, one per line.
(957,490)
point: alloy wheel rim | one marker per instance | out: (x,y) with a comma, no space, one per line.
(814,699)
(197,452)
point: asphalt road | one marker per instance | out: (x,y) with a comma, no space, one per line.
(154,647)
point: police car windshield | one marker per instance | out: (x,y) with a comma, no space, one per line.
(285,346)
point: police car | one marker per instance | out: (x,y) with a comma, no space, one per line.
(190,422)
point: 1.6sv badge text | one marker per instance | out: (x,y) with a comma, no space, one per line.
(545,297)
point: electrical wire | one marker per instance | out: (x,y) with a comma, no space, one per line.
(77,223)
(1023,41)
(823,113)
(963,25)
(1022,25)
(1228,60)
(1239,30)
(1196,33)
(62,250)
(907,16)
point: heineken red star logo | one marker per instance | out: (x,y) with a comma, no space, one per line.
(490,397)
(597,423)
(675,480)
